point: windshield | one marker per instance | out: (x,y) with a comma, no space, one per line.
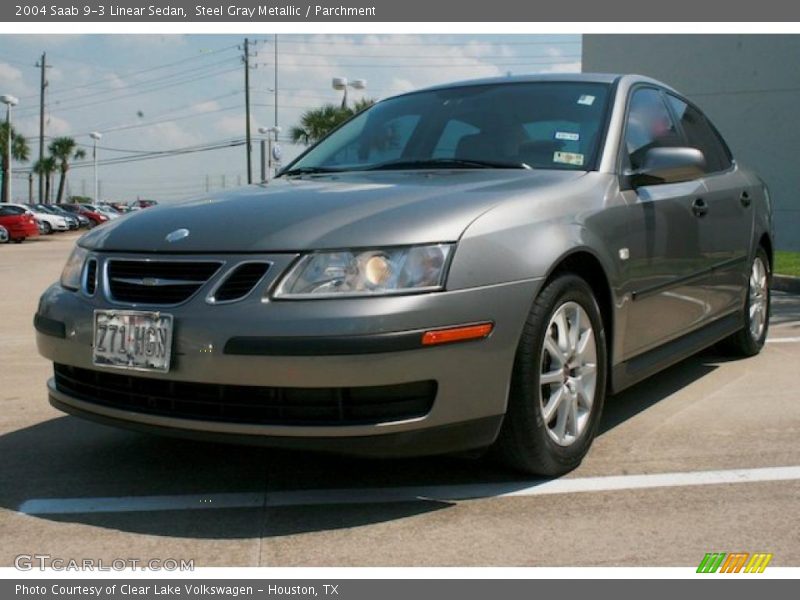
(540,125)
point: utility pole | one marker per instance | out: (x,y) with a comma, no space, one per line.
(247,108)
(42,64)
(30,187)
(275,87)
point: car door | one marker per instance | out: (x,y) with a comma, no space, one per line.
(726,227)
(662,255)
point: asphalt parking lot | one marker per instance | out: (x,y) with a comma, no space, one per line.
(710,432)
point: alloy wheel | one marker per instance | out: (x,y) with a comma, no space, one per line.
(759,296)
(568,374)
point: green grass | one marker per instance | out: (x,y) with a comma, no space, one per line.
(787,263)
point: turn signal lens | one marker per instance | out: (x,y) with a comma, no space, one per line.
(456,334)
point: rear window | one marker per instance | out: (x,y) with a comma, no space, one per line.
(12,210)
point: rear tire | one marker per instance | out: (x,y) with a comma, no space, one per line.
(558,382)
(749,340)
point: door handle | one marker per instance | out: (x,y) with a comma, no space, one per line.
(745,199)
(699,207)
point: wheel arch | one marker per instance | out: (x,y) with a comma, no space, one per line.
(585,264)
(765,242)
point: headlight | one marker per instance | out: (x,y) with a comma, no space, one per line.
(71,275)
(367,272)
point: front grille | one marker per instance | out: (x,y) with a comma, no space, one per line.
(157,282)
(249,404)
(91,276)
(240,282)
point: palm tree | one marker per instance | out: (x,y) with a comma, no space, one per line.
(318,122)
(46,167)
(19,151)
(362,104)
(63,150)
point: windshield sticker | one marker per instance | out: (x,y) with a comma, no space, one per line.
(568,136)
(568,158)
(586,100)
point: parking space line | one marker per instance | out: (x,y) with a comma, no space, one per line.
(443,493)
(784,340)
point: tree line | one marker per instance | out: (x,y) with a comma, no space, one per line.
(61,152)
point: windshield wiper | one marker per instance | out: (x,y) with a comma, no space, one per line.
(309,171)
(434,163)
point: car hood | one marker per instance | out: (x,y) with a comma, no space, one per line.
(325,212)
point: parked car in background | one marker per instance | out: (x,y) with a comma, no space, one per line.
(95,218)
(104,209)
(120,207)
(19,223)
(72,220)
(143,203)
(49,221)
(3,235)
(468,266)
(83,220)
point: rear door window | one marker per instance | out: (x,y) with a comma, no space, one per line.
(701,135)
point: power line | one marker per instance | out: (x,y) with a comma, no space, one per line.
(360,54)
(141,71)
(510,63)
(159,122)
(383,42)
(157,85)
(160,154)
(193,105)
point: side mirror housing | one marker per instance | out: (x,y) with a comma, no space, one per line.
(668,165)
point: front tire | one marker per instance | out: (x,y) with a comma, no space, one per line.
(47,229)
(558,383)
(749,340)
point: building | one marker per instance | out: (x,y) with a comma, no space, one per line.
(748,85)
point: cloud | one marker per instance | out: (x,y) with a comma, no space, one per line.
(12,80)
(204,107)
(232,125)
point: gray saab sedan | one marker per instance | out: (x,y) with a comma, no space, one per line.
(469,266)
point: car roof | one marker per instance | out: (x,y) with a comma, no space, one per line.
(607,78)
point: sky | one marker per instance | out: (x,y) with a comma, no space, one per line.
(181,94)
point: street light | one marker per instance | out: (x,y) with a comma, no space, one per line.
(9,101)
(273,152)
(341,83)
(95,135)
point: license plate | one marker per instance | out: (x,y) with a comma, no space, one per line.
(132,339)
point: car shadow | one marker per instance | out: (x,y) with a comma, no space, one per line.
(66,457)
(634,400)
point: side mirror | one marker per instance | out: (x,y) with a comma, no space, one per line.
(668,165)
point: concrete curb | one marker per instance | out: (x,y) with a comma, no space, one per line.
(786,283)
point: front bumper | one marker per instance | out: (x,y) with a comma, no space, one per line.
(472,378)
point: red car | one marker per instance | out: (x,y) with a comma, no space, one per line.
(143,203)
(19,223)
(95,218)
